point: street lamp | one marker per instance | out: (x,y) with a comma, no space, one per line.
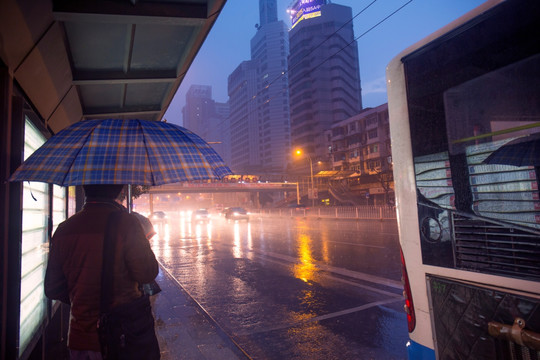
(299,153)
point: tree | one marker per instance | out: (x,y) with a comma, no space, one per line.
(136,191)
(386,180)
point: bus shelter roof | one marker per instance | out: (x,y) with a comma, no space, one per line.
(99,59)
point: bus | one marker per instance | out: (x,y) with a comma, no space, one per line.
(464,108)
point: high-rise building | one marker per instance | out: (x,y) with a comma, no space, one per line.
(259,100)
(267,12)
(199,109)
(219,133)
(208,119)
(244,124)
(270,46)
(324,75)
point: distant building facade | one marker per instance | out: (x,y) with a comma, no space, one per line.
(259,99)
(361,153)
(208,119)
(324,75)
(198,110)
(361,143)
(244,124)
(219,133)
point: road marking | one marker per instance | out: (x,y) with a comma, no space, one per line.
(370,288)
(320,318)
(356,244)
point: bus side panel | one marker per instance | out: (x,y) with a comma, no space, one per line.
(419,352)
(405,189)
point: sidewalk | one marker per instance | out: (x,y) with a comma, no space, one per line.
(184,330)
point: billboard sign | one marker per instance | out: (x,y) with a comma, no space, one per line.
(305,9)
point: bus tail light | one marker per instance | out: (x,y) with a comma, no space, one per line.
(409,307)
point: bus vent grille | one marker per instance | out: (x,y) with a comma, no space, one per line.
(493,248)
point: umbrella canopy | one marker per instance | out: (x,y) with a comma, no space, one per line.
(118,151)
(523,151)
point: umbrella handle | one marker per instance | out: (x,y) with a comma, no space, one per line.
(129,199)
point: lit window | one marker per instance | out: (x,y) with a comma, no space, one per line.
(33,247)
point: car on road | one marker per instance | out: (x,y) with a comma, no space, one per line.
(218,209)
(158,217)
(224,211)
(236,213)
(297,206)
(297,209)
(200,215)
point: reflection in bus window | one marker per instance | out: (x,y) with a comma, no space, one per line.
(483,116)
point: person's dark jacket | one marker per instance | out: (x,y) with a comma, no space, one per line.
(75,261)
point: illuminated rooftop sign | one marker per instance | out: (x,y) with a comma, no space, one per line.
(305,9)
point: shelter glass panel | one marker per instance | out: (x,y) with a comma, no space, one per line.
(33,304)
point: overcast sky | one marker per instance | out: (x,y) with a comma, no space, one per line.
(228,43)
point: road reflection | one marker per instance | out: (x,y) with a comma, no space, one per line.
(293,288)
(163,231)
(325,241)
(249,242)
(183,225)
(306,269)
(236,241)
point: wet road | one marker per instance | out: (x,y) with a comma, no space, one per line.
(293,288)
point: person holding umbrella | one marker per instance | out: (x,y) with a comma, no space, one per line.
(75,268)
(99,256)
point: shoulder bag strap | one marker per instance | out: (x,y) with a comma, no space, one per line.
(109,247)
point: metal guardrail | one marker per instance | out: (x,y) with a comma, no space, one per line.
(222,187)
(363,212)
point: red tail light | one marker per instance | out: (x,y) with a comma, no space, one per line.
(409,307)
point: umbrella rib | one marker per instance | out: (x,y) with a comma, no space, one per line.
(205,147)
(147,153)
(194,146)
(90,131)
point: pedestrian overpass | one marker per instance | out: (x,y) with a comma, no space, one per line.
(223,187)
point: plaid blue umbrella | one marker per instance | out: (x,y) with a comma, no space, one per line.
(116,151)
(523,151)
